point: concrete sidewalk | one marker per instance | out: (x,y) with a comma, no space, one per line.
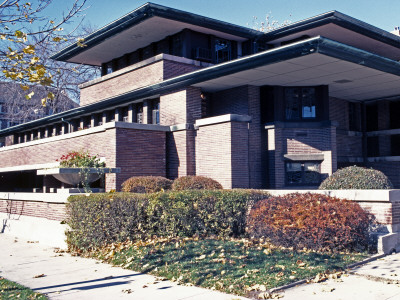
(66,277)
(377,280)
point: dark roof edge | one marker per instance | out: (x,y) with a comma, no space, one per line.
(144,12)
(317,44)
(340,19)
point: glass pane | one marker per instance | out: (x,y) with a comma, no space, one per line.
(308,99)
(292,100)
(312,172)
(293,173)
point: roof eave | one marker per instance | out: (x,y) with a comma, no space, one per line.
(339,19)
(145,12)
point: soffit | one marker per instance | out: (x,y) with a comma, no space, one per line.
(346,80)
(348,37)
(141,35)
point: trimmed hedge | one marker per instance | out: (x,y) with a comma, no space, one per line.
(357,178)
(311,221)
(146,184)
(100,219)
(195,183)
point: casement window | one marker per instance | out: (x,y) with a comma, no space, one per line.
(223,50)
(155,114)
(139,114)
(303,173)
(300,103)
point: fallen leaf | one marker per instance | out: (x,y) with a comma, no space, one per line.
(39,276)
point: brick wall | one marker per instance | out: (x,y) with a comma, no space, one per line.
(50,211)
(390,168)
(140,153)
(349,146)
(245,100)
(222,153)
(231,101)
(124,81)
(112,85)
(173,69)
(283,141)
(338,111)
(183,106)
(181,153)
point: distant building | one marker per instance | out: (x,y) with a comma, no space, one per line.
(16,109)
(182,94)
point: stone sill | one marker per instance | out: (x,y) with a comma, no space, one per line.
(304,124)
(222,119)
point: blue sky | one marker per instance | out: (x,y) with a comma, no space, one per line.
(381,13)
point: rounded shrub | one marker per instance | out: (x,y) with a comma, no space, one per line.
(311,221)
(356,178)
(146,184)
(195,183)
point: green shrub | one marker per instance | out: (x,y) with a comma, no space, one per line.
(313,221)
(356,178)
(195,183)
(100,219)
(146,184)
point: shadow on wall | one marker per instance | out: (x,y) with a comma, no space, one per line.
(172,157)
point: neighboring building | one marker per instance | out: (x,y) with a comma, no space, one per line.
(182,94)
(16,109)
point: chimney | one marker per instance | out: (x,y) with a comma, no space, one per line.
(396,31)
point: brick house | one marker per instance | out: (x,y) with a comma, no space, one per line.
(182,94)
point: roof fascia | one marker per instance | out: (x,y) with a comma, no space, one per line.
(339,19)
(145,12)
(313,45)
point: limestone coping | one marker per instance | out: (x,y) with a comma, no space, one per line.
(37,197)
(223,119)
(355,195)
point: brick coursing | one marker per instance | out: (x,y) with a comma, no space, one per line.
(222,153)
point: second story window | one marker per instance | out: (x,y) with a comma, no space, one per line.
(300,103)
(222,50)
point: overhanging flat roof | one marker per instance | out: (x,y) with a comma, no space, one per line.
(342,28)
(143,26)
(351,74)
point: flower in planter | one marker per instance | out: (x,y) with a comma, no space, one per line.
(81,159)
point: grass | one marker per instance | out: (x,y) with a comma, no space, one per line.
(236,266)
(12,290)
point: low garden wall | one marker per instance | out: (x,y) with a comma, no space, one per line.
(34,216)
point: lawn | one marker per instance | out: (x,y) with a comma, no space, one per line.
(12,290)
(239,266)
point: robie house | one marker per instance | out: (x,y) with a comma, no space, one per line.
(182,94)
